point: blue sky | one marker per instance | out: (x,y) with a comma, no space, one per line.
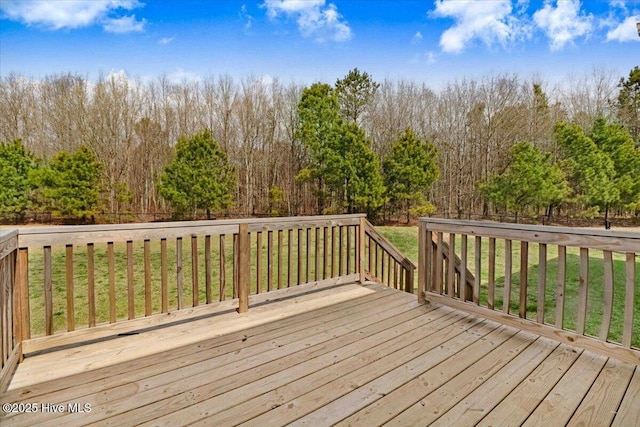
(318,40)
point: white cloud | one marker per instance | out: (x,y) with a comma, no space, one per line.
(126,24)
(625,31)
(166,40)
(56,15)
(248,19)
(563,23)
(180,76)
(489,21)
(417,38)
(315,18)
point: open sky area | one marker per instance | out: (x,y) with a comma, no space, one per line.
(318,40)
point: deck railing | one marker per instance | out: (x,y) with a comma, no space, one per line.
(576,285)
(10,305)
(386,264)
(79,277)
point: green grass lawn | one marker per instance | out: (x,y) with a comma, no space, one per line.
(404,238)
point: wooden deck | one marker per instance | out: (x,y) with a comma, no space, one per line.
(344,354)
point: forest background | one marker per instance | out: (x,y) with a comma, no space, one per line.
(88,150)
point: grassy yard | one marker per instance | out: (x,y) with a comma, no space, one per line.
(404,238)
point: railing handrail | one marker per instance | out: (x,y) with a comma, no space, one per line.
(79,234)
(8,241)
(389,247)
(612,240)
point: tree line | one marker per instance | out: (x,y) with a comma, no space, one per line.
(390,148)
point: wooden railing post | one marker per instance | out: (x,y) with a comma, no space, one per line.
(360,253)
(244,267)
(21,295)
(423,247)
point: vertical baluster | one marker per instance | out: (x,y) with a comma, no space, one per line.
(508,269)
(195,288)
(560,286)
(464,295)
(524,278)
(333,252)
(112,282)
(325,254)
(91,284)
(491,294)
(583,290)
(244,267)
(478,270)
(269,260)
(164,276)
(542,281)
(451,266)
(258,262)
(147,278)
(289,257)
(71,315)
(438,279)
(348,249)
(317,255)
(179,275)
(299,276)
(207,269)
(607,300)
(280,238)
(308,266)
(222,269)
(235,265)
(629,297)
(48,294)
(130,284)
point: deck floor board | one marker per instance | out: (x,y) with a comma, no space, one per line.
(340,355)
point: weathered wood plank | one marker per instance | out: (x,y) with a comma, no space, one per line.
(628,412)
(478,269)
(451,264)
(558,406)
(527,395)
(179,274)
(222,269)
(599,406)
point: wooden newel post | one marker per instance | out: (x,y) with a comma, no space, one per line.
(360,251)
(424,247)
(244,267)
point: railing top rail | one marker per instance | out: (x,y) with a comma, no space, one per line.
(613,240)
(8,242)
(7,234)
(49,236)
